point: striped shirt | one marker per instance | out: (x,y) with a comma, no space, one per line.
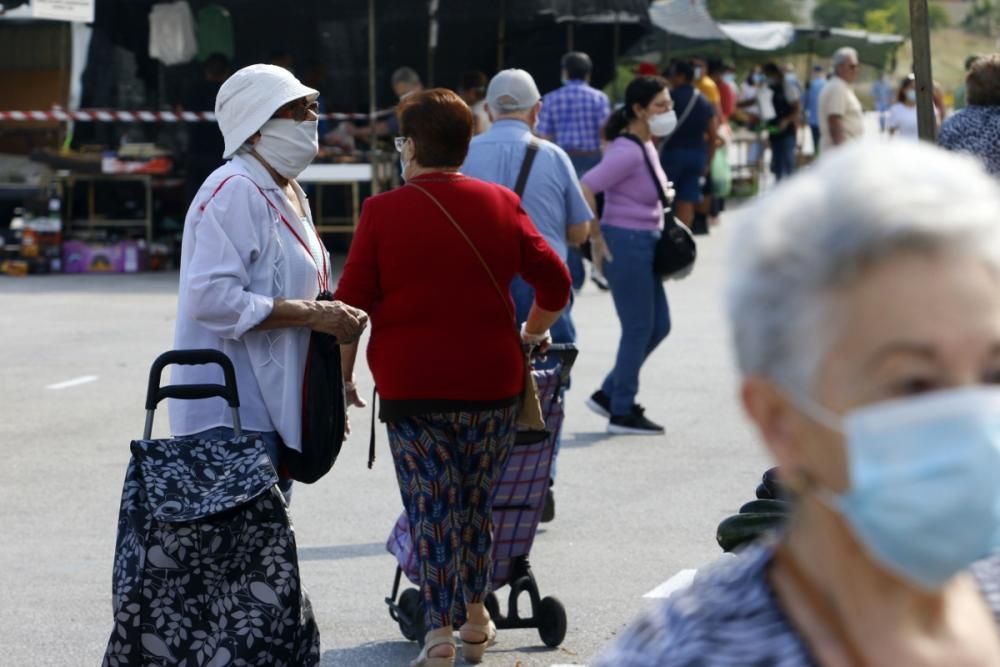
(732,618)
(572,116)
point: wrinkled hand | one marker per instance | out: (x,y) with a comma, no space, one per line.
(338,319)
(542,341)
(599,253)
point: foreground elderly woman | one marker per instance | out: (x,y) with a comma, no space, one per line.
(433,262)
(868,338)
(252,265)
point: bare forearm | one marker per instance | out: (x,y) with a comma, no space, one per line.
(330,317)
(837,130)
(595,223)
(348,358)
(290,313)
(540,320)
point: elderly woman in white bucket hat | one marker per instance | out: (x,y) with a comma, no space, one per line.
(252,264)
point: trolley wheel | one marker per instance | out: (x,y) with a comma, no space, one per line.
(412,624)
(551,618)
(492,605)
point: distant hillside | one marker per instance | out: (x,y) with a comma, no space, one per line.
(949,49)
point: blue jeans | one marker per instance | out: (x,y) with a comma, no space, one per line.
(783,156)
(641,304)
(272,443)
(563,331)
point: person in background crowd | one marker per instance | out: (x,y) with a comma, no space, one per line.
(960,91)
(882,96)
(783,129)
(624,241)
(813,91)
(841,116)
(792,78)
(902,117)
(724,78)
(572,117)
(472,90)
(282,58)
(552,196)
(749,89)
(704,83)
(976,128)
(252,264)
(205,142)
(687,151)
(404,81)
(446,354)
(882,420)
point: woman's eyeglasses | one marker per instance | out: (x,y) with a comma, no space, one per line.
(400,142)
(297,110)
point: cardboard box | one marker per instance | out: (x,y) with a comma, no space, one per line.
(121,257)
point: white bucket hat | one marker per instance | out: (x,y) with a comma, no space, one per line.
(250,97)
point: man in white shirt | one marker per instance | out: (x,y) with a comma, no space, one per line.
(841,116)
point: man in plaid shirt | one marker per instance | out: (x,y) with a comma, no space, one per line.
(572,117)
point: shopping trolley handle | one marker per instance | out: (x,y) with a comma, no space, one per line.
(155,393)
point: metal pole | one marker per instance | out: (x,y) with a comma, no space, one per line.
(432,36)
(373,137)
(501,34)
(920,34)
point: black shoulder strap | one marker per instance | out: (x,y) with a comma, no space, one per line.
(529,159)
(649,165)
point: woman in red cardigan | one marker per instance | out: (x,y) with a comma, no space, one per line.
(445,351)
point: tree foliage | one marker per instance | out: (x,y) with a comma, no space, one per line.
(891,16)
(741,10)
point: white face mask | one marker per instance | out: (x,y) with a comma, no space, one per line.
(663,124)
(288,146)
(911,95)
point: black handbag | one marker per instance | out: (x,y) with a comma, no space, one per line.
(676,250)
(324,410)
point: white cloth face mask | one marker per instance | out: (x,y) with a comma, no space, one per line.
(287,145)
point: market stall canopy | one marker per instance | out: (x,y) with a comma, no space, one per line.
(685,27)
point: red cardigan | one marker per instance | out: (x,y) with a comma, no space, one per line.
(439,329)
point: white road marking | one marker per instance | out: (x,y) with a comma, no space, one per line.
(73,383)
(679,581)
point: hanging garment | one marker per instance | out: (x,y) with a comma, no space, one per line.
(215,32)
(171,33)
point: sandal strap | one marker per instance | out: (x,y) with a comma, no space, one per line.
(488,630)
(433,642)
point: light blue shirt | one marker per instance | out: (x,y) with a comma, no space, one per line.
(812,100)
(552,197)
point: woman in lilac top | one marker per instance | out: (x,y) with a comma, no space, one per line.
(625,242)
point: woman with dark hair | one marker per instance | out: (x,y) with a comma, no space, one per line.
(902,120)
(433,262)
(624,241)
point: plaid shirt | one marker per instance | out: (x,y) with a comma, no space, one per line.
(572,116)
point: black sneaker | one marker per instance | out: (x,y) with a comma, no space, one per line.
(635,423)
(549,509)
(600,403)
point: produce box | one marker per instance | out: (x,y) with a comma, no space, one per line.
(121,257)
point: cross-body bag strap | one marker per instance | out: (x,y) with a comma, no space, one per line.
(652,170)
(684,114)
(486,267)
(529,159)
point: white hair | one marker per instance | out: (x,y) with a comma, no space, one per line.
(822,230)
(844,55)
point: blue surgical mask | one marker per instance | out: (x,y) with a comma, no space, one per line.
(924,495)
(759,78)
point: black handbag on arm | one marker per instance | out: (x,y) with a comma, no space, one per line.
(676,250)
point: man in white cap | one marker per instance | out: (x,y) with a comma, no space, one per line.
(252,265)
(539,171)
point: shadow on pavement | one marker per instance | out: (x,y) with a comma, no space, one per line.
(342,552)
(372,653)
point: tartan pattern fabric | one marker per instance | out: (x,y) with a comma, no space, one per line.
(574,115)
(447,466)
(518,495)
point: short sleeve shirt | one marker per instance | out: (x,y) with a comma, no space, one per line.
(903,120)
(690,134)
(837,99)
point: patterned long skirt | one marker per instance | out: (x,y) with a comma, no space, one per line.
(447,465)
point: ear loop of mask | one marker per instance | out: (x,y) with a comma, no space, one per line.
(801,481)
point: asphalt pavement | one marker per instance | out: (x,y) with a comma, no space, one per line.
(631,511)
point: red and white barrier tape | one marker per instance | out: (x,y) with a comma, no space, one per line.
(114,116)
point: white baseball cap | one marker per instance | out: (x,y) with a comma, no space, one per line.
(512,90)
(250,97)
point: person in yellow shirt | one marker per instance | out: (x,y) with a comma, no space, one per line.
(705,85)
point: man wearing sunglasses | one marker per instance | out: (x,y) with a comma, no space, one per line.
(841,115)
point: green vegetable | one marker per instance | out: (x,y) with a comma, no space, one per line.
(767,506)
(741,529)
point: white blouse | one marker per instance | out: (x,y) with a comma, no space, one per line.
(237,256)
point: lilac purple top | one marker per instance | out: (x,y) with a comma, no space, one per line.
(630,197)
